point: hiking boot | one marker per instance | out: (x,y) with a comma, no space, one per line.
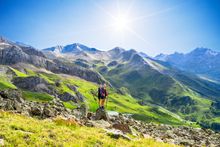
(103,108)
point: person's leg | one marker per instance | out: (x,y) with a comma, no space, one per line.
(103,103)
(100,102)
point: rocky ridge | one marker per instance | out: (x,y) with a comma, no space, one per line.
(11,100)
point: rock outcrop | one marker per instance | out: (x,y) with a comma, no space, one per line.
(101,114)
(58,66)
(11,100)
(182,135)
(67,97)
(33,83)
(37,84)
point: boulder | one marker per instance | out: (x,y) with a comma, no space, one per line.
(9,105)
(80,97)
(101,114)
(72,87)
(123,127)
(36,111)
(48,112)
(187,142)
(90,115)
(83,109)
(12,94)
(17,106)
(68,97)
(98,123)
(116,134)
(158,139)
(2,142)
(146,136)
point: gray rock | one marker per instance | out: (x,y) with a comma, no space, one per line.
(90,115)
(49,112)
(116,134)
(58,66)
(2,142)
(80,97)
(68,97)
(98,124)
(101,114)
(72,87)
(33,83)
(9,105)
(123,127)
(11,94)
(83,109)
(186,142)
(36,111)
(158,139)
(18,106)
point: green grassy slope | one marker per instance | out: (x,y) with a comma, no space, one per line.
(116,102)
(18,130)
(37,96)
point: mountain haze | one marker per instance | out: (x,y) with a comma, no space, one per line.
(201,61)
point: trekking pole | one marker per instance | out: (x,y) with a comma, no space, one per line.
(94,97)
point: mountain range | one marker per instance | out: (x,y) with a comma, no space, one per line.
(201,61)
(150,88)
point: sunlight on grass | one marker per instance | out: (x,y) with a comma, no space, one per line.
(18,73)
(6,84)
(70,105)
(24,131)
(37,96)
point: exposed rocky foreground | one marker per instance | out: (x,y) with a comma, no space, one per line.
(116,125)
(12,100)
(182,135)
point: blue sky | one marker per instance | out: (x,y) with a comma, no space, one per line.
(151,26)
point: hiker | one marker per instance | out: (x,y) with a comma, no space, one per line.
(102,94)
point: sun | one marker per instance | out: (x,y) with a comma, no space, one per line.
(121,22)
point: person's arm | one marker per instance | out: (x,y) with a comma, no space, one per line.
(106,93)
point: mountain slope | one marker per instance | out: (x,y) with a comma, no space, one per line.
(117,102)
(12,54)
(202,61)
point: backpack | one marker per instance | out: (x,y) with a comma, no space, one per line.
(102,92)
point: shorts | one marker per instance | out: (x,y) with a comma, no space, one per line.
(102,98)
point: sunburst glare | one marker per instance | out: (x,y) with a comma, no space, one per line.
(121,22)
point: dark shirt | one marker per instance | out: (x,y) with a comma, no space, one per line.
(102,93)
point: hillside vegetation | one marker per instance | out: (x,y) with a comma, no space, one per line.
(18,130)
(123,103)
